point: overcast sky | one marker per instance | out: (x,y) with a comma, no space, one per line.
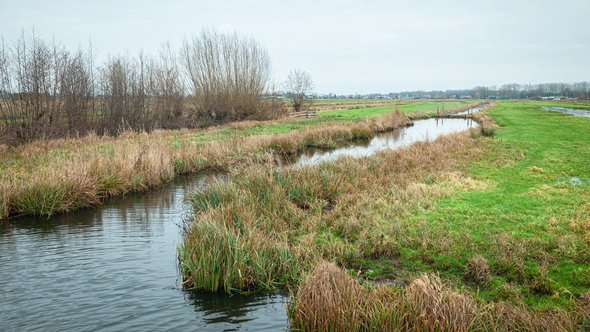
(347,46)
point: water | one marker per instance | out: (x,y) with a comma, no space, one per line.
(570,111)
(421,131)
(475,109)
(115,267)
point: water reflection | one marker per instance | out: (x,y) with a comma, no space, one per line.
(570,111)
(114,267)
(475,109)
(235,312)
(421,131)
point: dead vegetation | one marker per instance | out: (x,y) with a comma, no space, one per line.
(329,299)
(331,211)
(41,178)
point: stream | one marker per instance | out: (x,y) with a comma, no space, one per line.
(114,267)
(475,109)
(570,111)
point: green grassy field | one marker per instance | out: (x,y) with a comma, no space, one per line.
(408,107)
(503,220)
(532,222)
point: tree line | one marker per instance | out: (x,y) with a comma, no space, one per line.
(579,90)
(48,91)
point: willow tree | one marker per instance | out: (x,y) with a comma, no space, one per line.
(227,75)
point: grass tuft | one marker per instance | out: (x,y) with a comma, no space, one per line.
(478,270)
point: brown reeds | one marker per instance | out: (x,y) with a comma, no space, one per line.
(48,177)
(317,210)
(329,299)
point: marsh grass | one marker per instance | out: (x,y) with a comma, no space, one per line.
(48,177)
(331,211)
(400,218)
(329,299)
(231,258)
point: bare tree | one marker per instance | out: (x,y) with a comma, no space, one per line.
(298,87)
(76,91)
(227,75)
(166,90)
(30,74)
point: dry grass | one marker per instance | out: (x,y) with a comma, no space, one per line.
(355,211)
(331,211)
(478,270)
(48,177)
(364,215)
(329,299)
(487,127)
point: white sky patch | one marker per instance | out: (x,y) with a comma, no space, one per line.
(347,46)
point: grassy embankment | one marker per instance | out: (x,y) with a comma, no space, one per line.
(417,109)
(420,104)
(503,221)
(53,176)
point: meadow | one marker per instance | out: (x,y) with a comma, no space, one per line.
(468,232)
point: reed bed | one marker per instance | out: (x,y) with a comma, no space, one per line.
(331,211)
(48,177)
(329,299)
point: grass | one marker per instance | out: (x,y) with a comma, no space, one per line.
(532,222)
(48,177)
(329,299)
(417,109)
(486,230)
(325,211)
(475,231)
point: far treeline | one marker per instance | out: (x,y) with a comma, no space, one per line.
(579,90)
(47,91)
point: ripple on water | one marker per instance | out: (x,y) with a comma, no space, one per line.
(114,268)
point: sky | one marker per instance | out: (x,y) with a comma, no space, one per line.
(347,46)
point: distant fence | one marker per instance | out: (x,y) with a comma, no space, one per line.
(303,114)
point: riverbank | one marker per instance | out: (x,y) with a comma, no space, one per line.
(502,222)
(50,177)
(47,177)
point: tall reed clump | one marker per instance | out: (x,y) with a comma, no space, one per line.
(238,240)
(329,299)
(5,189)
(244,229)
(232,258)
(48,177)
(55,193)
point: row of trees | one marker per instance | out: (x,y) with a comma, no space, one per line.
(49,91)
(580,90)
